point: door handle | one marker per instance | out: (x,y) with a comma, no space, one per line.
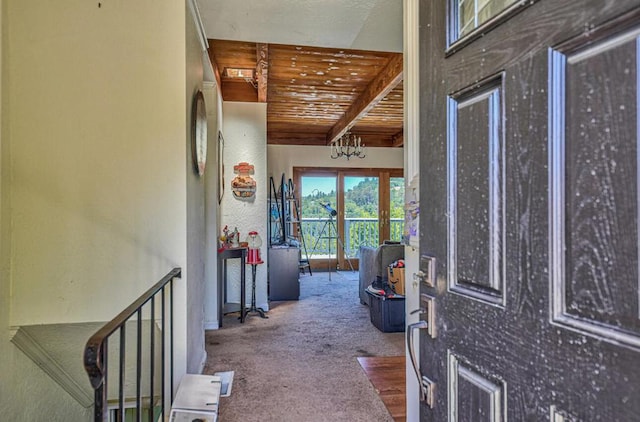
(427,386)
(410,330)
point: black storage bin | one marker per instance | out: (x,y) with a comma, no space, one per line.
(387,313)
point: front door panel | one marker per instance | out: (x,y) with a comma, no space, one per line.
(531,211)
(474,178)
(594,183)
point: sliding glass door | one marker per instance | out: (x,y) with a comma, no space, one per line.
(396,209)
(319,215)
(343,209)
(361,221)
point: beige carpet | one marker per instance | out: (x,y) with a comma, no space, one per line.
(301,363)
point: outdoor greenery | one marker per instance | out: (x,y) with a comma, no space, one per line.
(361,201)
(361,212)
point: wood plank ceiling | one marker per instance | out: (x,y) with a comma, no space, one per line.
(314,95)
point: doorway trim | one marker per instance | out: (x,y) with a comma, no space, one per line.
(411,71)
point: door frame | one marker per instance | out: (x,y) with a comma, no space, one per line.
(411,135)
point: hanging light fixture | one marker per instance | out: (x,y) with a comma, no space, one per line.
(348,145)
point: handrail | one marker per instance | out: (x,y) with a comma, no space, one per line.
(95,353)
(358,231)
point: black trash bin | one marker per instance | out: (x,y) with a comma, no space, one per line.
(387,313)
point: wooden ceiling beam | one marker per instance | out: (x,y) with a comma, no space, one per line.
(262,70)
(318,139)
(293,138)
(397,140)
(380,86)
(238,90)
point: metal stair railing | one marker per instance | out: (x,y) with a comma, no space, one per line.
(96,354)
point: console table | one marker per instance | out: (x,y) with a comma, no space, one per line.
(223,256)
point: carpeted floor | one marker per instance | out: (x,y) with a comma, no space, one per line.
(301,363)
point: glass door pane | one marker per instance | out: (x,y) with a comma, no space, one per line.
(319,210)
(473,13)
(361,209)
(396,208)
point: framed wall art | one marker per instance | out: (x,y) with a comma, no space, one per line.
(220,160)
(243,185)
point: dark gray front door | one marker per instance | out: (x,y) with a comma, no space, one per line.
(529,205)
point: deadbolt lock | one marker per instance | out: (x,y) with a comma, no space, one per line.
(428,309)
(427,273)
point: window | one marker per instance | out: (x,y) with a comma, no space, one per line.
(317,207)
(368,204)
(396,208)
(471,14)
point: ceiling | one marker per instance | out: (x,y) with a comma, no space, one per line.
(353,24)
(302,62)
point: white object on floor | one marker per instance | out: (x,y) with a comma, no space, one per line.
(197,398)
(227,381)
(191,416)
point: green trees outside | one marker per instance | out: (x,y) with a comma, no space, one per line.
(361,201)
(396,185)
(361,215)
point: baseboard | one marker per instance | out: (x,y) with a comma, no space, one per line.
(211,325)
(203,363)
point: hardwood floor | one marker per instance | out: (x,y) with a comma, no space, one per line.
(387,374)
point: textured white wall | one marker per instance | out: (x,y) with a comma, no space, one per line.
(245,136)
(282,159)
(94,189)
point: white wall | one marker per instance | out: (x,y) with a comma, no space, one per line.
(214,112)
(282,159)
(93,174)
(196,210)
(21,379)
(245,136)
(97,130)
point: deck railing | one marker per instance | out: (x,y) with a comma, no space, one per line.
(145,371)
(358,231)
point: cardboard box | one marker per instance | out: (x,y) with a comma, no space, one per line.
(396,279)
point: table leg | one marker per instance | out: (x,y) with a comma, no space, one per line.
(253,307)
(243,288)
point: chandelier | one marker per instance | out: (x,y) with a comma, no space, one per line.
(347,145)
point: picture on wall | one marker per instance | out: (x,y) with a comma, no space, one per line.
(243,185)
(220,160)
